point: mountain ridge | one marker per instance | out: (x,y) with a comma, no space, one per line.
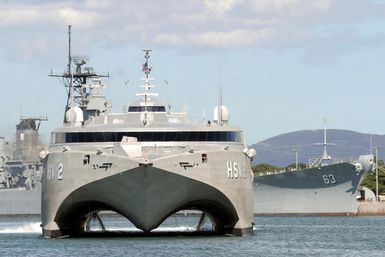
(349,145)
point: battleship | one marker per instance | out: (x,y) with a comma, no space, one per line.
(326,187)
(145,163)
(21,170)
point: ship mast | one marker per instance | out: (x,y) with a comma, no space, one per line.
(146,70)
(74,81)
(147,86)
(220,118)
(325,155)
(70,100)
(220,106)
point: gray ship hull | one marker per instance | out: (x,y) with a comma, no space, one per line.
(20,201)
(145,193)
(325,190)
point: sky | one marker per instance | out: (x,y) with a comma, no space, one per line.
(283,65)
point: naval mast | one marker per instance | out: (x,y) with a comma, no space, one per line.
(75,81)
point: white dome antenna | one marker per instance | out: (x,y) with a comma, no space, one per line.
(221,113)
(74,116)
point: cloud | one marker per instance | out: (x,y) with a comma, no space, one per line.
(27,16)
(221,6)
(274,5)
(234,38)
(270,24)
(169,39)
(228,39)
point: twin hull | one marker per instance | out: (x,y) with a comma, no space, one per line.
(327,190)
(76,183)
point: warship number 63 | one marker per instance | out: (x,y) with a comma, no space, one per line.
(145,163)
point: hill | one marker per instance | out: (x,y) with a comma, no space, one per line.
(349,145)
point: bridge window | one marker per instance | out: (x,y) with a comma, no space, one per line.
(147,136)
(148,108)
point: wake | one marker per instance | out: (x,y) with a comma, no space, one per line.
(133,229)
(33,227)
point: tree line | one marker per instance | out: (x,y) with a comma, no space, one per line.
(370,179)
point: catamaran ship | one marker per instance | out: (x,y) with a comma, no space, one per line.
(144,164)
(21,170)
(326,187)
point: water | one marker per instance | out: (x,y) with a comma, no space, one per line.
(273,236)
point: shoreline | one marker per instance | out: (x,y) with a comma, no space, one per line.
(371,208)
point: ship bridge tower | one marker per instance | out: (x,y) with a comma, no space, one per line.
(28,145)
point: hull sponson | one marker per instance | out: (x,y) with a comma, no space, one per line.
(327,190)
(145,193)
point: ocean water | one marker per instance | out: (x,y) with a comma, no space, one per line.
(273,236)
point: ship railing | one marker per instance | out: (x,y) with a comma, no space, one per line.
(278,171)
(319,162)
(270,172)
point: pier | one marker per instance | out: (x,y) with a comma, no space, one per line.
(371,208)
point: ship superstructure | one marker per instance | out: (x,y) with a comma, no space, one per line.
(21,170)
(146,164)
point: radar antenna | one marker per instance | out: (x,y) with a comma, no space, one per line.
(74,82)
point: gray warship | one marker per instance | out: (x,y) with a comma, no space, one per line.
(21,170)
(145,163)
(326,187)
